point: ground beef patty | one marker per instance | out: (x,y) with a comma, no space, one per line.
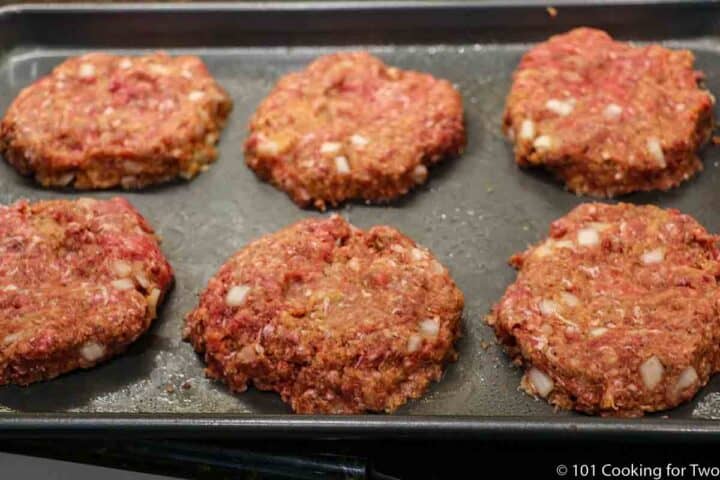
(79,281)
(334,318)
(350,127)
(606,117)
(617,312)
(101,121)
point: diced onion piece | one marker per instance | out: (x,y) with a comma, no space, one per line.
(687,378)
(652,371)
(414,343)
(123,284)
(588,237)
(598,332)
(341,164)
(92,351)
(540,381)
(656,255)
(359,140)
(354,264)
(417,254)
(569,299)
(612,111)
(655,150)
(196,95)
(330,147)
(527,130)
(543,142)
(152,301)
(419,173)
(430,327)
(267,147)
(560,107)
(543,250)
(236,295)
(86,70)
(142,280)
(247,354)
(8,339)
(599,226)
(122,268)
(125,63)
(548,307)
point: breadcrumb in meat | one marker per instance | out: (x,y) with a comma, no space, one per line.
(102,121)
(333,318)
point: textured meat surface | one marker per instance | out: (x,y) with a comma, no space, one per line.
(79,281)
(350,127)
(334,318)
(100,121)
(607,117)
(617,311)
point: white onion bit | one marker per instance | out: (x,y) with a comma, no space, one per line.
(588,237)
(430,327)
(652,372)
(11,338)
(527,130)
(92,351)
(419,173)
(123,284)
(196,95)
(656,152)
(267,147)
(330,147)
(417,254)
(341,164)
(540,381)
(569,299)
(414,342)
(122,268)
(548,307)
(612,111)
(152,301)
(653,256)
(687,378)
(560,107)
(543,142)
(359,140)
(86,70)
(598,332)
(236,295)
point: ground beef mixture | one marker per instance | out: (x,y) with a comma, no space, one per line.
(616,312)
(607,117)
(102,121)
(349,127)
(79,281)
(334,318)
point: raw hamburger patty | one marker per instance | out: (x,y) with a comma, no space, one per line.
(101,121)
(350,127)
(617,312)
(79,281)
(334,318)
(606,117)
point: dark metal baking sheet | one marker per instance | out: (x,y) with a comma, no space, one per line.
(473,213)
